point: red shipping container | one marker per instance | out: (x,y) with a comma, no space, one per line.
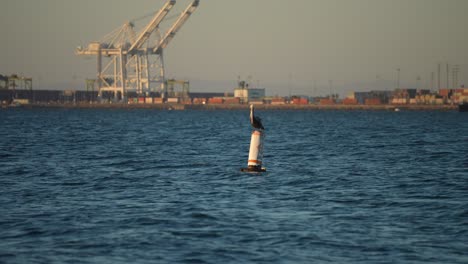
(300,101)
(141,100)
(215,101)
(327,101)
(373,101)
(350,101)
(232,101)
(444,92)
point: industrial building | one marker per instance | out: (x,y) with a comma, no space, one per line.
(247,94)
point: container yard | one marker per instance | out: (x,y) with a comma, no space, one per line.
(87,99)
(21,93)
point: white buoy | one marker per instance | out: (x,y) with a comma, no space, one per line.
(254,163)
(255,158)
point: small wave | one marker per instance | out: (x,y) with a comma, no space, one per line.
(202,216)
(148,221)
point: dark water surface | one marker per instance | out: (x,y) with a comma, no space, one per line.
(148,186)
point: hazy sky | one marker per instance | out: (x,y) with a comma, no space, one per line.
(296,45)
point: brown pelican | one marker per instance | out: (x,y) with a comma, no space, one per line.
(255,121)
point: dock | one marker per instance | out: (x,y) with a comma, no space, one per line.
(213,107)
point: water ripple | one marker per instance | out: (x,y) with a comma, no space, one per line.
(150,186)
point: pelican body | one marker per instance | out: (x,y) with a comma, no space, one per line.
(255,121)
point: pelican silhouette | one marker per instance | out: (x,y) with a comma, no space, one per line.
(255,121)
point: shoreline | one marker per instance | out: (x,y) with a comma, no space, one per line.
(167,106)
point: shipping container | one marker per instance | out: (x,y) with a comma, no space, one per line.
(51,96)
(173,100)
(463,98)
(445,92)
(373,101)
(278,101)
(186,101)
(300,101)
(326,101)
(256,102)
(148,100)
(85,96)
(21,101)
(141,100)
(199,100)
(215,100)
(399,101)
(235,100)
(349,101)
(158,100)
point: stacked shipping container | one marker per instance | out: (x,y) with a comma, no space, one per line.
(278,101)
(349,101)
(216,100)
(300,101)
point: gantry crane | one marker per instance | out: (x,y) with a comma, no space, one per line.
(129,61)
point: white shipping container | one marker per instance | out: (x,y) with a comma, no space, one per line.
(21,101)
(399,101)
(173,100)
(256,102)
(158,100)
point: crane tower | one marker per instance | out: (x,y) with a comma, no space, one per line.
(130,61)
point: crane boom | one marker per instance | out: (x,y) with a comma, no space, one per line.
(128,61)
(177,25)
(157,19)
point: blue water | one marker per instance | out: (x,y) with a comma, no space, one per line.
(149,186)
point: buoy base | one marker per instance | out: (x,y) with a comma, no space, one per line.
(253,169)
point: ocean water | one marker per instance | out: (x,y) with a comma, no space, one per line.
(149,186)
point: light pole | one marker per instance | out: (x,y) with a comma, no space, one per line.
(398,78)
